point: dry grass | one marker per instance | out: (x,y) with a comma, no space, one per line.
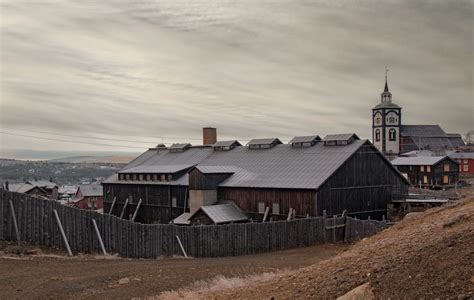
(199,289)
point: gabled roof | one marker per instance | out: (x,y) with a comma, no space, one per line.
(182,219)
(43,184)
(462,155)
(227,143)
(143,169)
(91,190)
(340,137)
(20,187)
(265,141)
(224,213)
(422,131)
(217,169)
(417,160)
(305,139)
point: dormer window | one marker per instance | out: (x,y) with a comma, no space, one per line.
(304,141)
(170,177)
(163,177)
(263,143)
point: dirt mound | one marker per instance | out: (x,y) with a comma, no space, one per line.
(429,256)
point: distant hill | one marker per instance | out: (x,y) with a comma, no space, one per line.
(95,159)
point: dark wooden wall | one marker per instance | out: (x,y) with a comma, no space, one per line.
(435,176)
(303,201)
(200,181)
(365,183)
(157,204)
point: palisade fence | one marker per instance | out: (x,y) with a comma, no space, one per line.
(37,223)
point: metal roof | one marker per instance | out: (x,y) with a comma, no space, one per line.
(180,146)
(305,139)
(417,160)
(143,169)
(91,190)
(422,131)
(217,169)
(340,137)
(227,143)
(21,187)
(265,141)
(282,166)
(43,184)
(462,155)
(456,139)
(224,213)
(386,105)
(182,219)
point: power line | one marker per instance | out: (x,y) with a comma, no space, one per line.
(74,142)
(108,139)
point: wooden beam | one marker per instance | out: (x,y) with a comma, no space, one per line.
(15,223)
(181,246)
(123,209)
(290,212)
(112,206)
(136,210)
(265,216)
(101,242)
(61,229)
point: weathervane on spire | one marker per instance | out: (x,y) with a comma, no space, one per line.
(386,71)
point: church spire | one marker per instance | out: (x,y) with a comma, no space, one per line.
(386,83)
(386,96)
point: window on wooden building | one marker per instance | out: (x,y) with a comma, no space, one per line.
(425,179)
(127,176)
(446,167)
(140,177)
(466,168)
(163,177)
(170,177)
(174,202)
(422,168)
(445,179)
(276,208)
(261,207)
(148,177)
(428,168)
(134,176)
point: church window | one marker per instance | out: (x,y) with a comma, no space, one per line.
(391,120)
(392,135)
(377,135)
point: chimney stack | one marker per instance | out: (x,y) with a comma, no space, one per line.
(209,135)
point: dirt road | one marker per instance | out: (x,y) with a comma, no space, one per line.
(89,277)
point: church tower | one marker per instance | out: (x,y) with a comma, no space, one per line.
(386,122)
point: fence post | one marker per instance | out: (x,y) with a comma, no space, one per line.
(15,223)
(101,242)
(182,248)
(123,209)
(136,210)
(267,209)
(289,214)
(112,206)
(334,229)
(62,232)
(324,225)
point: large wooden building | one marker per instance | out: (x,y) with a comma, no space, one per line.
(309,175)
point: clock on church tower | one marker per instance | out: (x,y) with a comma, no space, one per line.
(386,122)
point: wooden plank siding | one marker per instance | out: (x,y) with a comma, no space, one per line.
(157,201)
(363,184)
(303,201)
(200,181)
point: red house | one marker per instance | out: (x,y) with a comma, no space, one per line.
(89,196)
(466,163)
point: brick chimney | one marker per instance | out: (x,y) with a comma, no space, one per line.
(209,135)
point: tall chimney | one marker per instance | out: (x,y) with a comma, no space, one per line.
(209,135)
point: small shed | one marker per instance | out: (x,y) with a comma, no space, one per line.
(223,213)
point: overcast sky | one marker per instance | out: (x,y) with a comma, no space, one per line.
(140,70)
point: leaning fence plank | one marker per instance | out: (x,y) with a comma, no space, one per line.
(101,242)
(136,210)
(17,231)
(267,210)
(112,206)
(123,209)
(62,232)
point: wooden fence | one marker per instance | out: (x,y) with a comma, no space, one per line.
(37,224)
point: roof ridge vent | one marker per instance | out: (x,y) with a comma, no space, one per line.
(304,141)
(340,139)
(225,145)
(265,143)
(180,147)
